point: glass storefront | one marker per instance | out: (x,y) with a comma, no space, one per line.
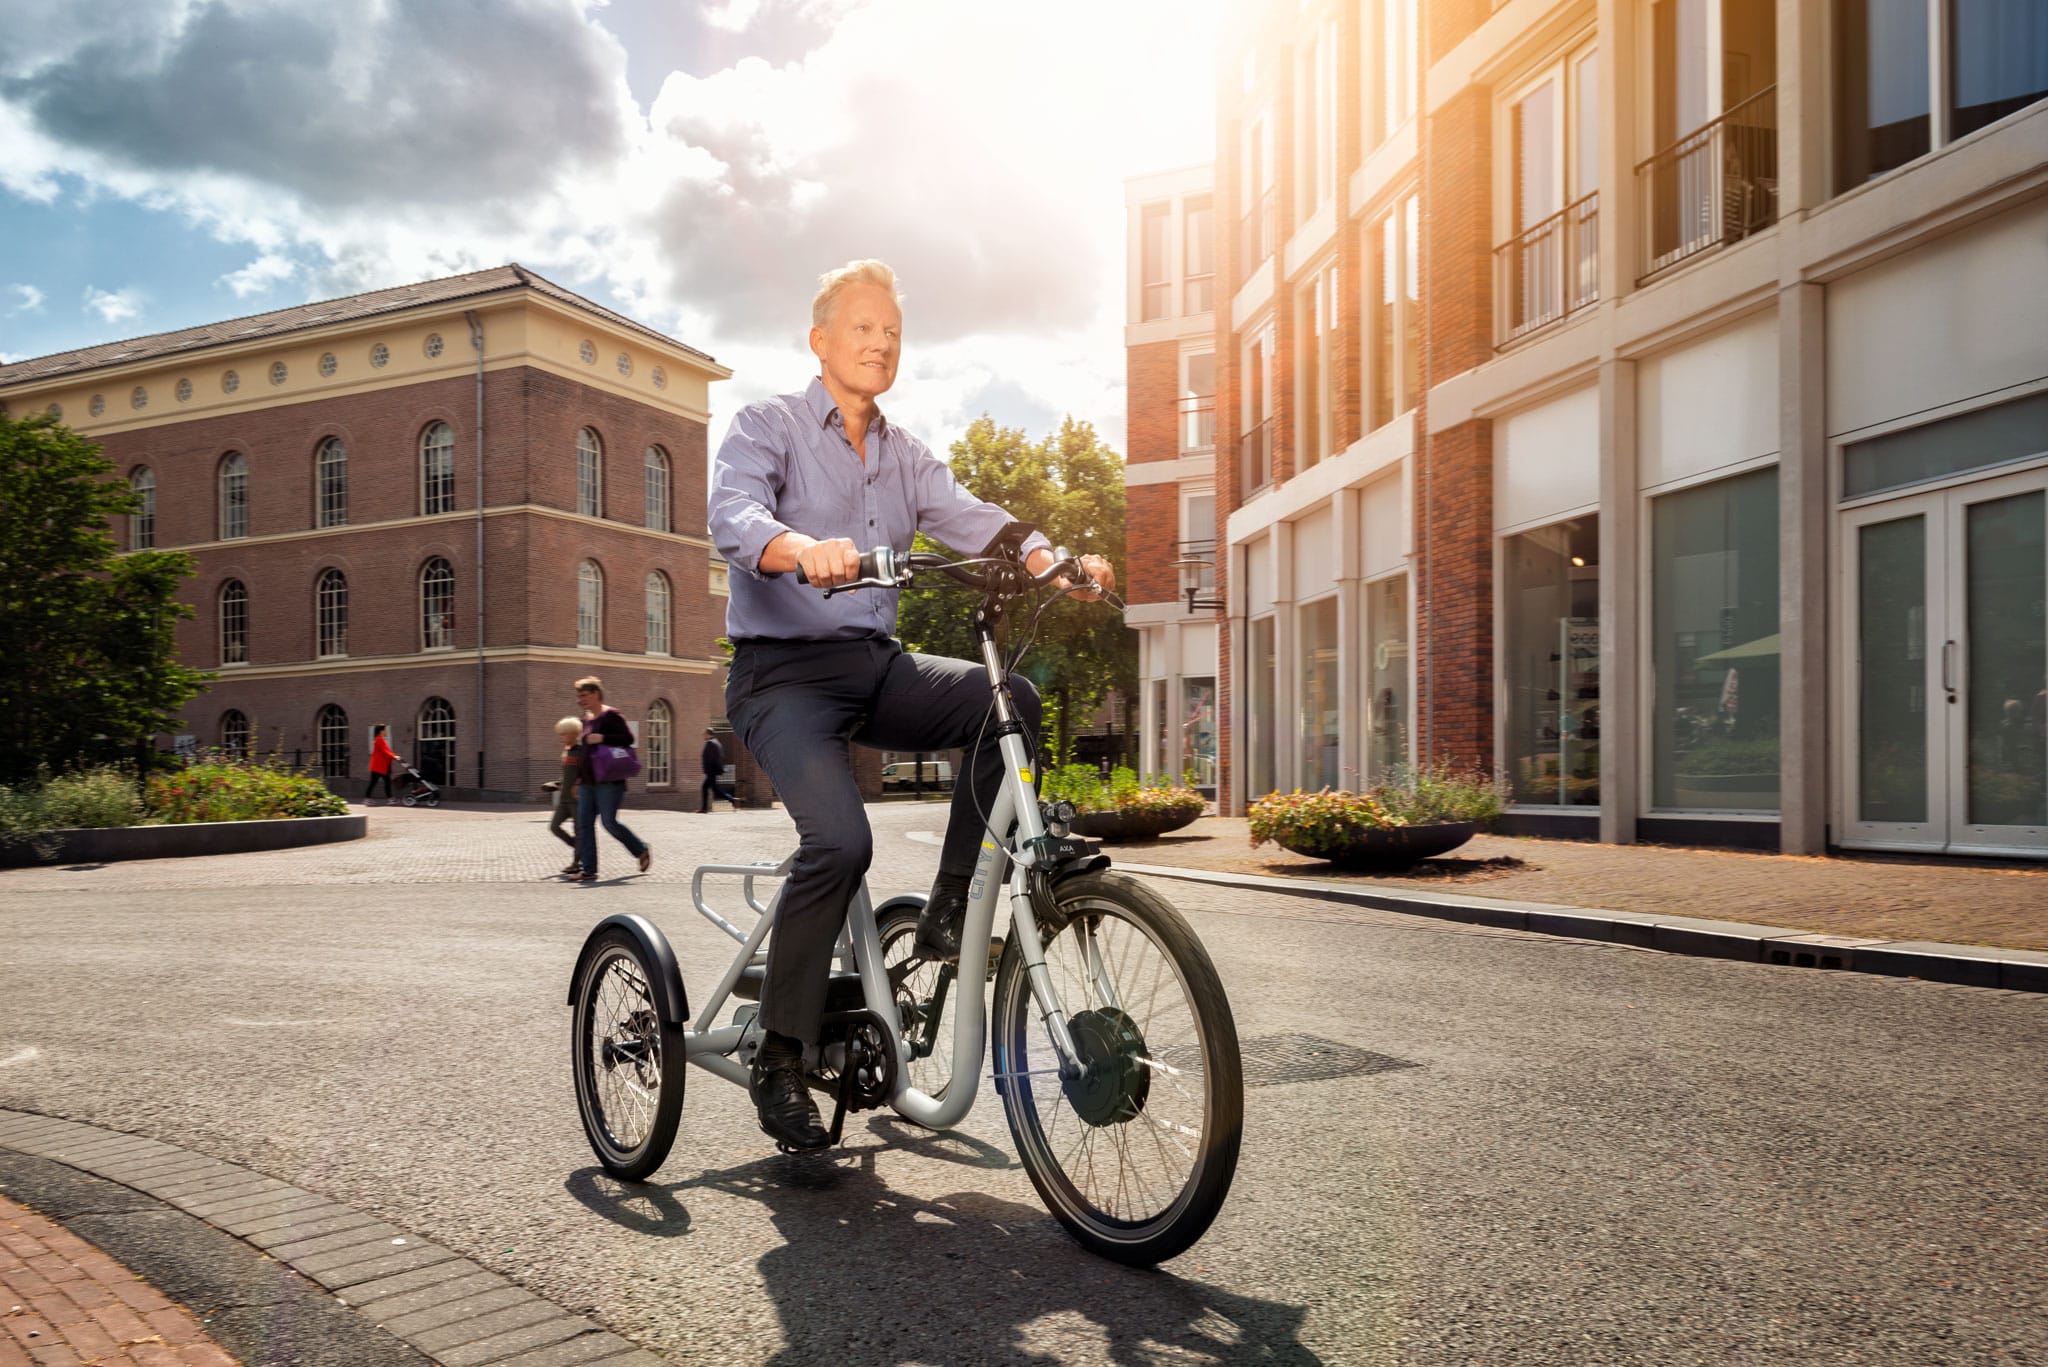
(1258,672)
(1386,704)
(1198,733)
(1316,729)
(1550,666)
(1714,632)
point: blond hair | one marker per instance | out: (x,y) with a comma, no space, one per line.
(591,682)
(568,726)
(832,284)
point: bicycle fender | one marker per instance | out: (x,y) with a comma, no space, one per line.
(668,977)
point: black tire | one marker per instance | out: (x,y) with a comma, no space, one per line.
(1169,1075)
(924,995)
(629,1062)
(411,799)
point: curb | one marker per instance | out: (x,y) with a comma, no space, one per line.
(366,1293)
(179,840)
(2011,970)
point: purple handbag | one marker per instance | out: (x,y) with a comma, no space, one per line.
(614,763)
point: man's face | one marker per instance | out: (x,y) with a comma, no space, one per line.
(859,348)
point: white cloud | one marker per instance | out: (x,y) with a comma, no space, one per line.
(260,276)
(733,16)
(28,299)
(113,306)
(981,149)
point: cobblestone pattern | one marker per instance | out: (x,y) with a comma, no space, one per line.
(63,1302)
(449,1308)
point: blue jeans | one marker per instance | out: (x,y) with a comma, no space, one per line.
(597,802)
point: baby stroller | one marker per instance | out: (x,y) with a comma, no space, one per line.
(416,791)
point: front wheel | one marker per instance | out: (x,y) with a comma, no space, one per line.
(1134,1153)
(629,1062)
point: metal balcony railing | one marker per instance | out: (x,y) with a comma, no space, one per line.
(1255,459)
(1717,184)
(1547,272)
(1197,423)
(1255,237)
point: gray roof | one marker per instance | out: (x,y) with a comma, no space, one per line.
(448,289)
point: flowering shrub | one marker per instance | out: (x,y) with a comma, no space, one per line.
(103,796)
(232,790)
(1122,791)
(1327,824)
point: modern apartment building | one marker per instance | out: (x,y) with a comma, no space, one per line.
(431,507)
(1647,397)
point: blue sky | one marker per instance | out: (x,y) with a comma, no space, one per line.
(692,165)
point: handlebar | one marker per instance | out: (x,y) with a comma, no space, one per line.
(885,567)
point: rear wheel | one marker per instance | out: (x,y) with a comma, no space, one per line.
(1134,1153)
(629,1062)
(923,992)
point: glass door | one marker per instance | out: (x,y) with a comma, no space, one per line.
(1945,658)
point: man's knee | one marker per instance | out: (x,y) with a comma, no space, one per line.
(1024,694)
(844,856)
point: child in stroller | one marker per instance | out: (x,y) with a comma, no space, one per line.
(415,791)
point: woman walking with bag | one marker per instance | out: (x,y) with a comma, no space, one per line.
(608,760)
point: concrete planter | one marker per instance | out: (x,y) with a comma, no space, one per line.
(1122,826)
(107,844)
(1396,848)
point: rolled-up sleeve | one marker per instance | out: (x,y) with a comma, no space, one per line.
(948,512)
(746,487)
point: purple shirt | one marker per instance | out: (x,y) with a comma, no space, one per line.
(786,465)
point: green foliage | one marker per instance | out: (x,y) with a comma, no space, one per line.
(32,813)
(1084,786)
(1327,823)
(1071,487)
(1757,755)
(237,790)
(90,668)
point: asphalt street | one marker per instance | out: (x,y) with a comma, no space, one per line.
(1540,1150)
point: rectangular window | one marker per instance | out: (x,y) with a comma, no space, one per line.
(1882,105)
(1255,192)
(1393,312)
(1714,634)
(1155,220)
(1549,264)
(1398,29)
(1315,369)
(1997,61)
(1198,402)
(1198,230)
(1386,706)
(1316,717)
(1550,673)
(1255,446)
(1198,733)
(1198,545)
(1258,732)
(1977,440)
(1315,176)
(1161,760)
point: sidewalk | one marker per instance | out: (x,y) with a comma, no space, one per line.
(62,1301)
(1881,897)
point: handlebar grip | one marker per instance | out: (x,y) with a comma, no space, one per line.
(879,563)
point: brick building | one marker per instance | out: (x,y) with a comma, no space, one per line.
(1647,397)
(431,507)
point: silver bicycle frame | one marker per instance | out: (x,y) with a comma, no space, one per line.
(998,865)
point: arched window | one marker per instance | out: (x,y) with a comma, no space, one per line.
(333,727)
(437,605)
(436,743)
(142,522)
(234,734)
(589,474)
(234,496)
(590,605)
(333,483)
(437,469)
(658,740)
(657,490)
(333,615)
(657,613)
(234,623)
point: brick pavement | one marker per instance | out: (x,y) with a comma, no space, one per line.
(64,1302)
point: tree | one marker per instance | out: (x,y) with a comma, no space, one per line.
(89,672)
(1071,487)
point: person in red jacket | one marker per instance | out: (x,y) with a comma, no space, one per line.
(382,758)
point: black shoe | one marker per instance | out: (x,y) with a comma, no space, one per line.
(939,925)
(783,1100)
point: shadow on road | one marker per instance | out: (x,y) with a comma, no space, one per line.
(868,1275)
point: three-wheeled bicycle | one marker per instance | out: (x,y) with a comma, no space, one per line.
(1113,1047)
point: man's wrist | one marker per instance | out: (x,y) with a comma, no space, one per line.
(779,556)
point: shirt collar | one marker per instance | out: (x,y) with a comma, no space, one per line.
(824,409)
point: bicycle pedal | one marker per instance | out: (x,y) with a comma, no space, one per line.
(995,955)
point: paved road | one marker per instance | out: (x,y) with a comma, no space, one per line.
(1555,1152)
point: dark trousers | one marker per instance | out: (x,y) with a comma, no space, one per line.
(564,813)
(599,802)
(797,706)
(713,789)
(386,777)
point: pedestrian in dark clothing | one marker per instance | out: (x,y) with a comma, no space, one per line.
(714,768)
(570,731)
(597,801)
